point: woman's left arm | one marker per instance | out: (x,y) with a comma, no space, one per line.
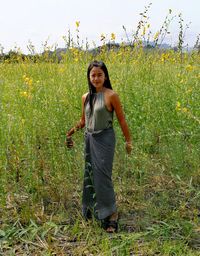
(115,101)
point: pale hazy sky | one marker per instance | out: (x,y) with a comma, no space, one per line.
(39,20)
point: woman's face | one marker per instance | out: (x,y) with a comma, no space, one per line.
(97,78)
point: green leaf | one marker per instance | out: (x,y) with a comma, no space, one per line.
(2,233)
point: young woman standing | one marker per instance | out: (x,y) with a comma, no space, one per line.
(98,106)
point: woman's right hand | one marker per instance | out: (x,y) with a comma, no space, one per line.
(69,142)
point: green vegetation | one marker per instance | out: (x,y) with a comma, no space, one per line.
(157,187)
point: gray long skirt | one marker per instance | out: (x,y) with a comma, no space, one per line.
(98,192)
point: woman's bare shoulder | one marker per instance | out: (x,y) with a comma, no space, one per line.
(110,92)
(112,95)
(84,95)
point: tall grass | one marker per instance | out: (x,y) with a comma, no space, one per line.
(157,187)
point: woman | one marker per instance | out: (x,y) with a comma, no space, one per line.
(98,106)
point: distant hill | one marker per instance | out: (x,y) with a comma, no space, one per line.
(114,46)
(57,54)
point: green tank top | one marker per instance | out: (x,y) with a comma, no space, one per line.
(101,117)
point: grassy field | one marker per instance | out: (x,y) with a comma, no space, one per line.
(157,187)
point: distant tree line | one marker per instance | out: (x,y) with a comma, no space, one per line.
(57,54)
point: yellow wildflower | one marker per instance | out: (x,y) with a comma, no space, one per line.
(61,70)
(178,106)
(144,31)
(103,37)
(77,24)
(164,56)
(189,67)
(27,80)
(156,35)
(24,94)
(184,110)
(113,37)
(30,82)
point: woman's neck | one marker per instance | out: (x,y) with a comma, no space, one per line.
(100,89)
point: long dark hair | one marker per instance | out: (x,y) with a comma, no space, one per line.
(92,90)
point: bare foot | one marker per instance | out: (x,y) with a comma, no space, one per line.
(112,223)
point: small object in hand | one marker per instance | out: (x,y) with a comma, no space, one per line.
(69,142)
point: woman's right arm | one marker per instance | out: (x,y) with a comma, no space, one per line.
(78,126)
